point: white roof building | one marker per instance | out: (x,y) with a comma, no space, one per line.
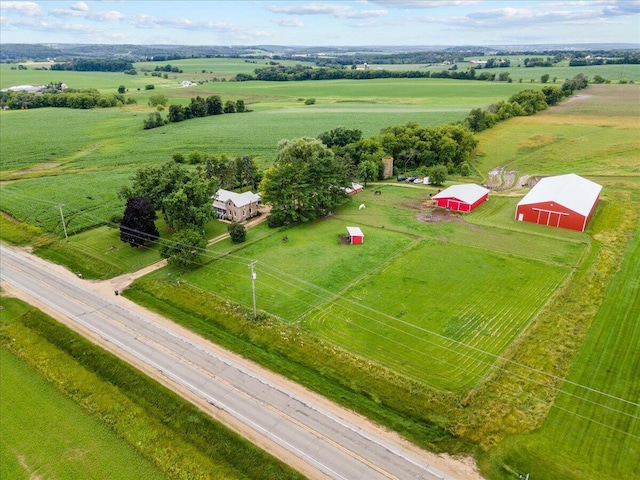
(565,201)
(572,191)
(469,193)
(236,206)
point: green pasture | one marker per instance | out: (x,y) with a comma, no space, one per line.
(438,313)
(296,275)
(47,435)
(440,280)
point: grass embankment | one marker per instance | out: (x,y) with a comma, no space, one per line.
(176,437)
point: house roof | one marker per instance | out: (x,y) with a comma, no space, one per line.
(571,191)
(355,232)
(468,192)
(238,199)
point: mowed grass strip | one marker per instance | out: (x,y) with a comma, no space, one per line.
(439,313)
(593,431)
(178,438)
(47,435)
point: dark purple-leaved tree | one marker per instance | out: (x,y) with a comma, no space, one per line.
(138,227)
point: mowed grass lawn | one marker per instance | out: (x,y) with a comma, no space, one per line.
(47,435)
(429,300)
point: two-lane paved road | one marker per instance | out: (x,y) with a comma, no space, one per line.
(330,444)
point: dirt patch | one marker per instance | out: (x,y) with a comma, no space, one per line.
(438,215)
(343,239)
(502,179)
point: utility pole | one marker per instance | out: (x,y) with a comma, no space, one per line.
(63,224)
(253,288)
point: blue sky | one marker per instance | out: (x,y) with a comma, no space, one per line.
(321,23)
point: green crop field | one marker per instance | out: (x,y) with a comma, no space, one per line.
(47,435)
(81,158)
(506,334)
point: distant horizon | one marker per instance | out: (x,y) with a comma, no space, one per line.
(379,47)
(338,23)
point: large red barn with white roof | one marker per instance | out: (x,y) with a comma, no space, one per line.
(462,198)
(564,201)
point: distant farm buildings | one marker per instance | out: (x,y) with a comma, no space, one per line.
(236,206)
(564,201)
(462,198)
(354,188)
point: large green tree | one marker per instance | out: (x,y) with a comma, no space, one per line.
(190,205)
(368,171)
(185,249)
(305,182)
(183,196)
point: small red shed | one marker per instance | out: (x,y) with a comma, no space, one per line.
(564,201)
(462,198)
(355,235)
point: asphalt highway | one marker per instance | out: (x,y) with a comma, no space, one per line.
(330,445)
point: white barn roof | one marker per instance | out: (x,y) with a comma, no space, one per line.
(238,199)
(571,191)
(469,192)
(355,232)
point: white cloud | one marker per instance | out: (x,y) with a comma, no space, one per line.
(98,16)
(333,10)
(623,8)
(289,22)
(80,6)
(421,4)
(28,9)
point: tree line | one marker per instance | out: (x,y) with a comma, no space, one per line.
(69,98)
(94,65)
(281,73)
(524,102)
(198,107)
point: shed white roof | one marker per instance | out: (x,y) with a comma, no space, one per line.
(468,192)
(571,191)
(239,199)
(355,232)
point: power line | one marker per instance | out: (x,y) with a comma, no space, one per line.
(326,296)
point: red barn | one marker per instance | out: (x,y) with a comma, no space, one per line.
(565,201)
(462,198)
(355,235)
